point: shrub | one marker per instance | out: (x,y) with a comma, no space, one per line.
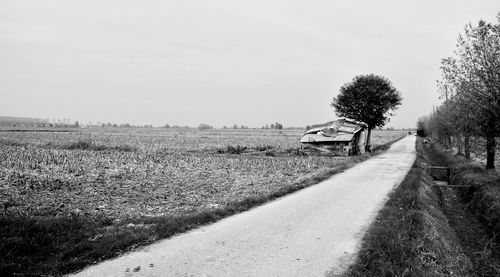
(87,144)
(270,153)
(236,150)
(81,144)
(263,147)
(203,126)
(232,150)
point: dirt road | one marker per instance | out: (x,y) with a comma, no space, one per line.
(313,232)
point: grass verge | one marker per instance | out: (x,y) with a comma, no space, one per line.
(483,197)
(411,235)
(473,210)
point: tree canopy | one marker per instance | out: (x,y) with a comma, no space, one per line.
(471,86)
(368,98)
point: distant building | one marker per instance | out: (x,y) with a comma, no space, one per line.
(344,136)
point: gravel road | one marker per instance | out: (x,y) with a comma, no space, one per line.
(313,232)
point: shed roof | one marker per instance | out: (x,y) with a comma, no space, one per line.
(311,138)
(340,130)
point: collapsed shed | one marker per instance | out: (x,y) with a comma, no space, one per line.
(344,136)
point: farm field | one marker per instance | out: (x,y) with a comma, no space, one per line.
(125,183)
(150,172)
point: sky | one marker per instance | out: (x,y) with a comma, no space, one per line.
(221,62)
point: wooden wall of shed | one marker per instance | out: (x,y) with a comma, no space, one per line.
(362,140)
(358,143)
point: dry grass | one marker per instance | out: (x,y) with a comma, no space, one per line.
(152,173)
(68,204)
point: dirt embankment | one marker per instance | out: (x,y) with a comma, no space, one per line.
(483,196)
(426,230)
(412,235)
(473,209)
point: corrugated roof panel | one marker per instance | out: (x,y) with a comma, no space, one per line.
(314,130)
(349,128)
(311,138)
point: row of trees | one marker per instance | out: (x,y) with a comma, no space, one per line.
(276,126)
(235,126)
(66,123)
(471,90)
(204,126)
(121,125)
(7,121)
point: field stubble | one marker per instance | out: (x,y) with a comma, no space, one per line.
(113,177)
(170,172)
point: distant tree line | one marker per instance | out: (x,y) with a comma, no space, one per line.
(204,126)
(470,87)
(16,122)
(66,123)
(276,126)
(121,125)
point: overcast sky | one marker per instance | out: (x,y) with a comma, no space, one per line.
(220,62)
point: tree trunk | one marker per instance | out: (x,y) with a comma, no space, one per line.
(490,151)
(444,140)
(458,140)
(490,144)
(467,146)
(368,146)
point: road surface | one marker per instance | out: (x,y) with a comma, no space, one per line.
(313,232)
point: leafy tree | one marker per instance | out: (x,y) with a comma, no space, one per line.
(368,98)
(461,122)
(421,126)
(204,126)
(473,76)
(444,128)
